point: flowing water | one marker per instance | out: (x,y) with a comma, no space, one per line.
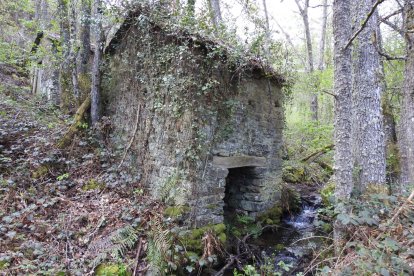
(292,243)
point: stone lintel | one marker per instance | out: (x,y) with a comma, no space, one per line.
(239,161)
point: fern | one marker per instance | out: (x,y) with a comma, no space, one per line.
(115,245)
(160,242)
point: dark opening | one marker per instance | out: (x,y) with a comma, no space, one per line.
(240,193)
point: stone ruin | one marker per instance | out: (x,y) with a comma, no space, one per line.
(206,128)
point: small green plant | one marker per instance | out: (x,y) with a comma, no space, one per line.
(63,177)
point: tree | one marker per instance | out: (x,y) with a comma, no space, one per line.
(305,18)
(64,79)
(97,60)
(367,128)
(85,34)
(407,108)
(343,108)
(321,63)
(215,12)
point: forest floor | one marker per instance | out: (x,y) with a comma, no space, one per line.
(56,213)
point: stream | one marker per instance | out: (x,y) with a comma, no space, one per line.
(291,243)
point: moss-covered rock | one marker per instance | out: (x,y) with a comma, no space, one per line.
(40,172)
(193,239)
(294,173)
(176,211)
(290,200)
(271,216)
(111,269)
(327,193)
(93,184)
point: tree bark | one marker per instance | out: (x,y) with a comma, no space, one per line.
(97,59)
(215,12)
(343,111)
(85,34)
(407,109)
(267,30)
(74,52)
(191,7)
(322,43)
(64,78)
(389,122)
(368,129)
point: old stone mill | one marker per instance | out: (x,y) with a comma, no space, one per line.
(204,128)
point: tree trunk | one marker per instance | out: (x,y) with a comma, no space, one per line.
(74,52)
(407,109)
(389,123)
(64,79)
(305,18)
(191,7)
(267,30)
(215,12)
(97,59)
(85,33)
(368,129)
(343,111)
(321,63)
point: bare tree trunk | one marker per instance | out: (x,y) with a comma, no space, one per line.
(305,17)
(64,79)
(322,43)
(97,60)
(389,122)
(368,129)
(267,29)
(343,111)
(407,109)
(216,12)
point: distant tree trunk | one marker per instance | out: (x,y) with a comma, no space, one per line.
(343,111)
(322,43)
(407,108)
(389,122)
(368,129)
(64,79)
(305,17)
(85,50)
(97,60)
(267,29)
(191,7)
(85,33)
(215,12)
(74,52)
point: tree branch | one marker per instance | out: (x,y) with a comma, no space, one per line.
(392,26)
(392,14)
(388,57)
(364,23)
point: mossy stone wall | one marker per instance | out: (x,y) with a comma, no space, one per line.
(190,102)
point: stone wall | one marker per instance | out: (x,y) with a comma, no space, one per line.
(197,114)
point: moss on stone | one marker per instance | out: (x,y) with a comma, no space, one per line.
(111,269)
(211,206)
(271,216)
(222,238)
(93,184)
(40,172)
(279,247)
(193,240)
(290,200)
(176,211)
(294,173)
(327,193)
